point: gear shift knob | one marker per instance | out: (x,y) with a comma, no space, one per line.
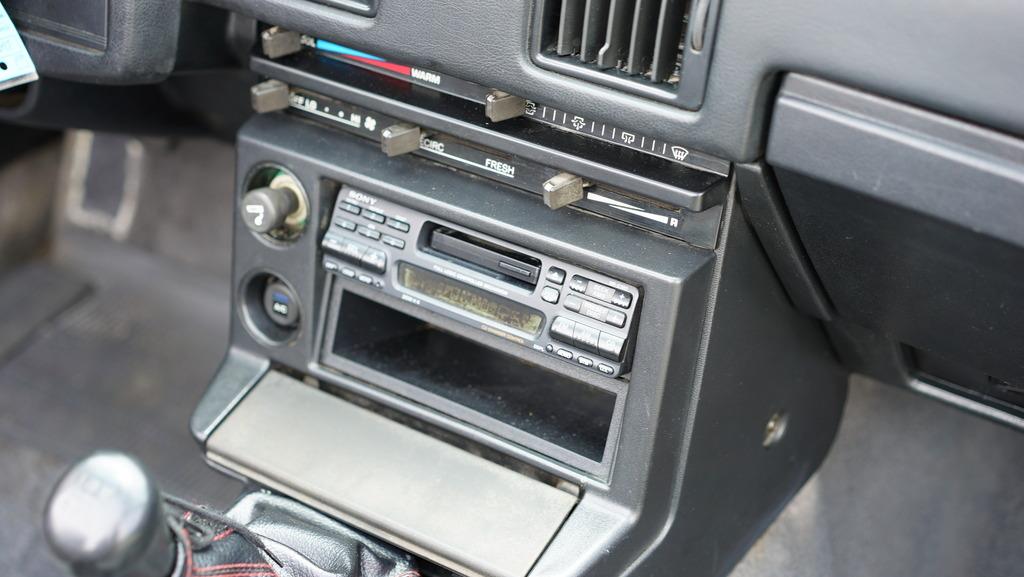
(105,518)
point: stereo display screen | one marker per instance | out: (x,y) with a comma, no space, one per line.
(470,299)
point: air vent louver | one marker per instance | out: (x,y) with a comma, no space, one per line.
(640,38)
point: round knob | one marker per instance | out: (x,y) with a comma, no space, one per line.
(266,209)
(281,304)
(105,518)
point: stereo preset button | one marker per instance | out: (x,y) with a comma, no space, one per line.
(606,369)
(349,207)
(348,250)
(375,260)
(555,275)
(399,225)
(365,279)
(573,303)
(562,328)
(345,224)
(596,312)
(348,273)
(586,338)
(392,241)
(578,284)
(564,353)
(616,318)
(550,294)
(600,291)
(585,361)
(622,299)
(331,265)
(374,216)
(610,346)
(369,232)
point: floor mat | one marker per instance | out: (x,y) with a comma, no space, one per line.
(121,369)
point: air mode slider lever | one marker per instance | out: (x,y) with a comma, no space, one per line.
(563,189)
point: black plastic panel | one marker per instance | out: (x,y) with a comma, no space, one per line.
(911,220)
(720,352)
(80,22)
(945,57)
(101,41)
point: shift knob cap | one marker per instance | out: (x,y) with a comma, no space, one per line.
(105,518)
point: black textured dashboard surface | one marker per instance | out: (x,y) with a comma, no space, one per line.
(953,58)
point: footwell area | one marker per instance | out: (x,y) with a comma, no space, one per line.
(121,368)
(117,331)
(911,488)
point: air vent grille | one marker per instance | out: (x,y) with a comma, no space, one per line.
(636,38)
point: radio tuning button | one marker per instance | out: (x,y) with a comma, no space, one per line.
(400,139)
(563,189)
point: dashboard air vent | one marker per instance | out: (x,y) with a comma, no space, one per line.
(641,38)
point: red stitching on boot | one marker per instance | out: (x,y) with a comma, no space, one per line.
(222,535)
(188,552)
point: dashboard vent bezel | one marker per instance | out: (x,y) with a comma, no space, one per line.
(561,52)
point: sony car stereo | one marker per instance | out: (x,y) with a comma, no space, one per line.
(532,300)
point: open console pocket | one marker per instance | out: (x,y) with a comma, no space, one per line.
(494,390)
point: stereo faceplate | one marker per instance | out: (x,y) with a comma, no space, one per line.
(571,313)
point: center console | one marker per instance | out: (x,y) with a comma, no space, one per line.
(508,347)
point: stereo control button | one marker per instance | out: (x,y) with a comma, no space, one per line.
(586,338)
(578,284)
(562,328)
(555,275)
(616,318)
(585,361)
(374,216)
(573,303)
(344,224)
(606,369)
(622,299)
(348,273)
(600,291)
(550,294)
(399,225)
(331,265)
(375,260)
(392,241)
(365,279)
(610,346)
(349,207)
(348,250)
(368,232)
(564,353)
(596,312)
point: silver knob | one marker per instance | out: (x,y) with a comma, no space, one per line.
(105,518)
